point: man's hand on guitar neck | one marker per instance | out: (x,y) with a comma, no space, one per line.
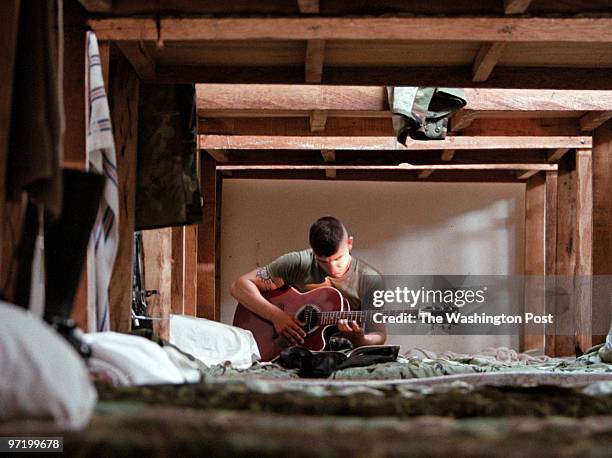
(356,334)
(287,326)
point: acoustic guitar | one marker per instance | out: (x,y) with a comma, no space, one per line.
(318,311)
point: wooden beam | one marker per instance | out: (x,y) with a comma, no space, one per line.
(487,58)
(559,78)
(232,100)
(252,142)
(441,176)
(557,154)
(516,6)
(535,257)
(141,61)
(602,225)
(530,167)
(218,155)
(208,275)
(329,155)
(308,6)
(124,91)
(97,6)
(462,119)
(447,155)
(313,62)
(528,174)
(533,29)
(317,118)
(584,250)
(594,119)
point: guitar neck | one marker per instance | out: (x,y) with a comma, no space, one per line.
(326,318)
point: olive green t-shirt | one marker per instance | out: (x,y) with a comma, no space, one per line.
(301,270)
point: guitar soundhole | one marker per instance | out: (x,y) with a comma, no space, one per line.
(309,316)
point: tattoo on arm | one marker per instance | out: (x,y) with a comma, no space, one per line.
(266,279)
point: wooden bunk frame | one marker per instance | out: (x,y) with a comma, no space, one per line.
(550,134)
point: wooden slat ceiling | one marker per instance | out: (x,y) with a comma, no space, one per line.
(556,44)
(256,131)
(558,48)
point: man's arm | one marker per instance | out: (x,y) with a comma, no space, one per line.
(247,290)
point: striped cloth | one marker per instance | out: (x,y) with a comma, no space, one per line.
(102,159)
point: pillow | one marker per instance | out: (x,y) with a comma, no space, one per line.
(41,376)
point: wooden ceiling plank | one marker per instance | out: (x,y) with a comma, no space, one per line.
(482,29)
(125,29)
(557,154)
(313,63)
(137,55)
(467,176)
(447,155)
(516,6)
(308,6)
(488,56)
(594,119)
(264,142)
(342,100)
(528,167)
(218,155)
(330,173)
(462,119)
(97,6)
(527,174)
(328,155)
(318,119)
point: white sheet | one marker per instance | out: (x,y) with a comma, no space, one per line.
(133,360)
(41,375)
(212,342)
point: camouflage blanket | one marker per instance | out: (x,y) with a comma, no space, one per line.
(419,363)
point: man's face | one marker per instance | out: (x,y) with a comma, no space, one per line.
(338,263)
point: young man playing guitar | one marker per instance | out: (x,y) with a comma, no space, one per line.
(327,263)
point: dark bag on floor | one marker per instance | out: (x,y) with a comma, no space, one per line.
(324,363)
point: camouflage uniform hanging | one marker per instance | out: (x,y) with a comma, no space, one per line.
(422,112)
(168,191)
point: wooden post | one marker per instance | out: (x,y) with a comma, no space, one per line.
(562,343)
(190,276)
(8,37)
(550,255)
(157,249)
(584,250)
(75,152)
(572,304)
(124,85)
(535,203)
(208,305)
(178,262)
(602,222)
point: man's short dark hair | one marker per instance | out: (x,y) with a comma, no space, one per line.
(326,233)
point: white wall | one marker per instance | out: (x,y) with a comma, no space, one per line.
(399,228)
